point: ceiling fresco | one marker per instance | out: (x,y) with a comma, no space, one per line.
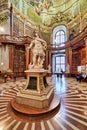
(49,12)
(53,11)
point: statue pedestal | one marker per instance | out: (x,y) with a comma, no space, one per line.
(37,92)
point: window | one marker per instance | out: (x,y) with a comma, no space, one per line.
(60,63)
(60,38)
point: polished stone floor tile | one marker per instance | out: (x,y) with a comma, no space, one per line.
(72,114)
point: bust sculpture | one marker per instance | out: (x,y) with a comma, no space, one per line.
(38,47)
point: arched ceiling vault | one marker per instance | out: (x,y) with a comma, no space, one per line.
(44,15)
(50,12)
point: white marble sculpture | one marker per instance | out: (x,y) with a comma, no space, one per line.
(38,47)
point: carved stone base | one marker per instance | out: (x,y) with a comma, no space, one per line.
(35,100)
(37,92)
(35,112)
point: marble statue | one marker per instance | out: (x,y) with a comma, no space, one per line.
(37,93)
(38,47)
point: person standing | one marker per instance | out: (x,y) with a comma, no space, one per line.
(61,73)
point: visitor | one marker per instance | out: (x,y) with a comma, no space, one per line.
(58,73)
(80,76)
(61,73)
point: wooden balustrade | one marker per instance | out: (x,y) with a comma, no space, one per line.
(5,38)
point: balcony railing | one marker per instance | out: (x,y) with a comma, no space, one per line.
(5,38)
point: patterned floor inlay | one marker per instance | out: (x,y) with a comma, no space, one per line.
(72,114)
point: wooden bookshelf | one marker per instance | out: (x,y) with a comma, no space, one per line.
(19,61)
(76,61)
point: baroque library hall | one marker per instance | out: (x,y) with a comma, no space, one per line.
(43,64)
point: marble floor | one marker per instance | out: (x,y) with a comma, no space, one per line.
(72,114)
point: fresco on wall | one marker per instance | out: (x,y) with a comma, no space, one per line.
(16,3)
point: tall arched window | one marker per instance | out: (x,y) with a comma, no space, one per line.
(59,39)
(60,63)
